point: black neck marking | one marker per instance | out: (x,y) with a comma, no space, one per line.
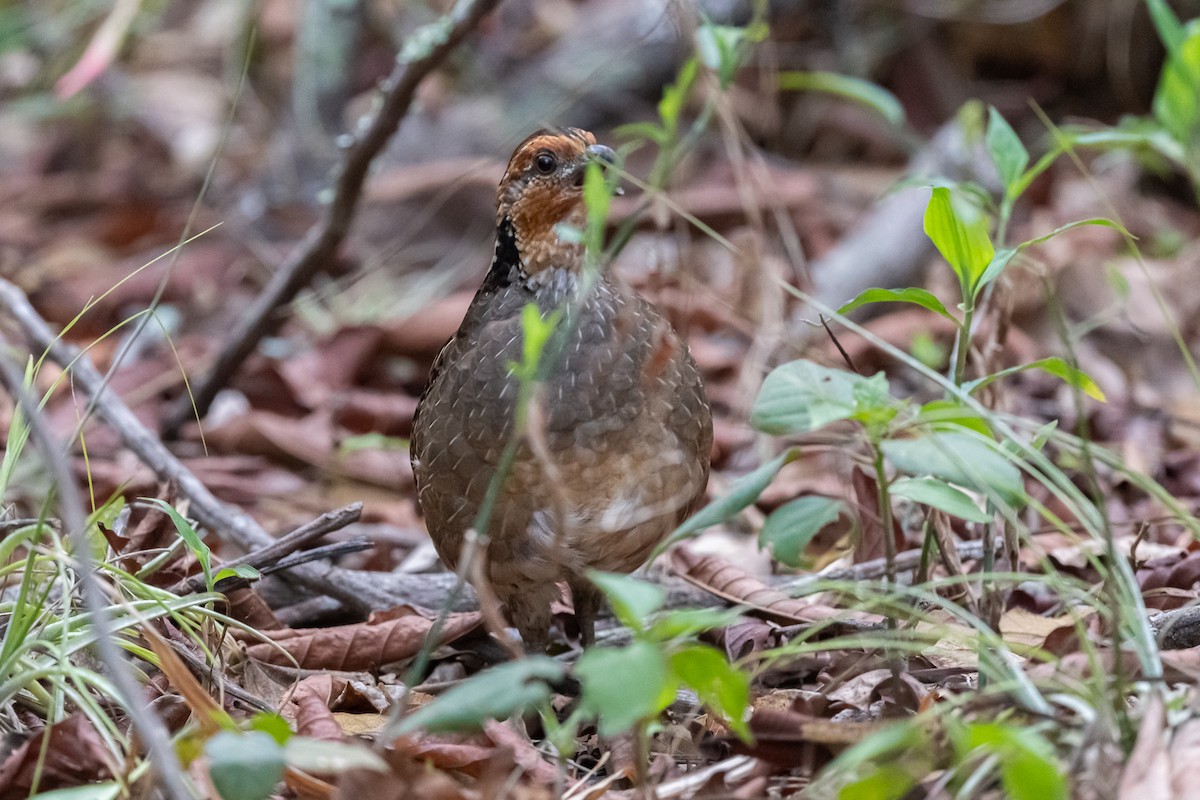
(506,266)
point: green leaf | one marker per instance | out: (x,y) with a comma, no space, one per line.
(244,766)
(190,537)
(1006,150)
(331,758)
(631,600)
(674,96)
(744,491)
(687,622)
(273,725)
(940,495)
(959,458)
(959,230)
(1170,30)
(863,92)
(1054,366)
(240,571)
(918,297)
(719,685)
(997,265)
(789,528)
(492,694)
(888,782)
(623,686)
(719,48)
(1176,103)
(801,396)
(945,413)
(1028,770)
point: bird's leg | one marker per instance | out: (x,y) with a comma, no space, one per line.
(586,598)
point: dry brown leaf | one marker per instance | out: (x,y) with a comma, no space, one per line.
(1184,754)
(313,697)
(74,755)
(1147,773)
(360,646)
(723,579)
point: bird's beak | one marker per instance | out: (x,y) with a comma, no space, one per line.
(605,156)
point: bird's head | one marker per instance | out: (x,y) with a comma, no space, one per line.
(542,187)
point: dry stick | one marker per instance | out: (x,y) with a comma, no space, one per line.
(149,727)
(325,524)
(319,246)
(356,591)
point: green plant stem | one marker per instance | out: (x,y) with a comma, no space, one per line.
(962,344)
(885,520)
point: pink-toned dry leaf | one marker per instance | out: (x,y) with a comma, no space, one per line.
(364,410)
(363,645)
(314,697)
(333,364)
(720,577)
(526,756)
(870,541)
(1185,754)
(425,332)
(75,755)
(465,752)
(1147,773)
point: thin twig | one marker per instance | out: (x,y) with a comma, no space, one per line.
(149,727)
(319,247)
(285,545)
(357,592)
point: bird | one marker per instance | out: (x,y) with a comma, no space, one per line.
(615,448)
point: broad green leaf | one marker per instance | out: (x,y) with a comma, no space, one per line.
(1054,366)
(190,537)
(1006,150)
(1176,103)
(863,92)
(685,622)
(945,413)
(631,600)
(940,495)
(959,230)
(959,458)
(240,571)
(801,396)
(273,725)
(918,297)
(888,782)
(719,685)
(492,694)
(623,686)
(1028,770)
(744,491)
(789,528)
(244,766)
(331,758)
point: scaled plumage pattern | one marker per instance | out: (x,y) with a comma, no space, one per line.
(621,411)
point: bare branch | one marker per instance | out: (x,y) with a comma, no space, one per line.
(319,247)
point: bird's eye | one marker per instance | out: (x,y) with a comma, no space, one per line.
(545,163)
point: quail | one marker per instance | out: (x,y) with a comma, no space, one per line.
(615,449)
